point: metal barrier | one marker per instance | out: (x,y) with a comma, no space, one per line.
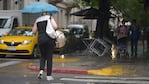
(97,46)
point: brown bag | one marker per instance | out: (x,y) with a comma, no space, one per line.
(60,39)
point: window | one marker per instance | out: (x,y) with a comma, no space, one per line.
(15,23)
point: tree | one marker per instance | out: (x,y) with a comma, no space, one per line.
(103,18)
(103,7)
(130,9)
(146,4)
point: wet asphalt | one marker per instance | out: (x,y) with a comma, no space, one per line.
(78,63)
(82,62)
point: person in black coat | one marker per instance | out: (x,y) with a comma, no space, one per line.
(45,42)
(134,33)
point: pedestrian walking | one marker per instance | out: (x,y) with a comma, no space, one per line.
(146,32)
(134,33)
(122,33)
(121,40)
(46,43)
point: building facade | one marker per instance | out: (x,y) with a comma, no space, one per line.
(63,18)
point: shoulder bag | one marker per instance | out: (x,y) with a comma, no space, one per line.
(50,30)
(60,39)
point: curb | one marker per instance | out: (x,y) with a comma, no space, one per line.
(60,70)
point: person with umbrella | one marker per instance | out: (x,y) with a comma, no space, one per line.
(46,43)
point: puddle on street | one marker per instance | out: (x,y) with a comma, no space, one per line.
(62,58)
(114,70)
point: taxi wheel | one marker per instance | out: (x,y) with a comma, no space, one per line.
(2,55)
(35,53)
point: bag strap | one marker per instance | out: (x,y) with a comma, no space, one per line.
(50,16)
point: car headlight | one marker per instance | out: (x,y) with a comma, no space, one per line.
(1,41)
(26,42)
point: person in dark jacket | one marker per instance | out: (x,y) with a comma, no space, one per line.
(134,33)
(45,42)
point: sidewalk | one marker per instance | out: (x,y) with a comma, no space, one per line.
(76,63)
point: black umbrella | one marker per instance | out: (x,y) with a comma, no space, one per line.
(91,13)
(86,12)
(90,17)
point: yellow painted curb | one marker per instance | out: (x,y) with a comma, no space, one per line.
(114,70)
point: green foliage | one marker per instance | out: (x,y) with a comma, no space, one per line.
(86,3)
(132,9)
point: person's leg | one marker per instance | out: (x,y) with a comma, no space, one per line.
(49,62)
(49,55)
(136,47)
(42,61)
(132,46)
(43,57)
(147,43)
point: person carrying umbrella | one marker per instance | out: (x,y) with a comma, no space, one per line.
(46,43)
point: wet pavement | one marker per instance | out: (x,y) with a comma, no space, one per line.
(78,63)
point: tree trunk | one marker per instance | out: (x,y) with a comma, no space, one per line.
(103,18)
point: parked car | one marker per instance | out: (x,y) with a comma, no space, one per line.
(79,30)
(20,41)
(77,33)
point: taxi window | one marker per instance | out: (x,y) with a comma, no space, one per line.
(21,32)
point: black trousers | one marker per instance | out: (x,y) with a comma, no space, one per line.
(46,49)
(134,47)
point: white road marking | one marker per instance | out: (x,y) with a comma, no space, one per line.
(107,81)
(122,78)
(14,59)
(57,83)
(8,63)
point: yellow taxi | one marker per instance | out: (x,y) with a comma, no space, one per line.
(19,41)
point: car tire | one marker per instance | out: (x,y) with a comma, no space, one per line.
(35,52)
(2,56)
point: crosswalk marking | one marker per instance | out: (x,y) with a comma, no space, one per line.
(110,80)
(8,63)
(122,78)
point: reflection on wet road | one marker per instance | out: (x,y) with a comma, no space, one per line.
(111,70)
(114,70)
